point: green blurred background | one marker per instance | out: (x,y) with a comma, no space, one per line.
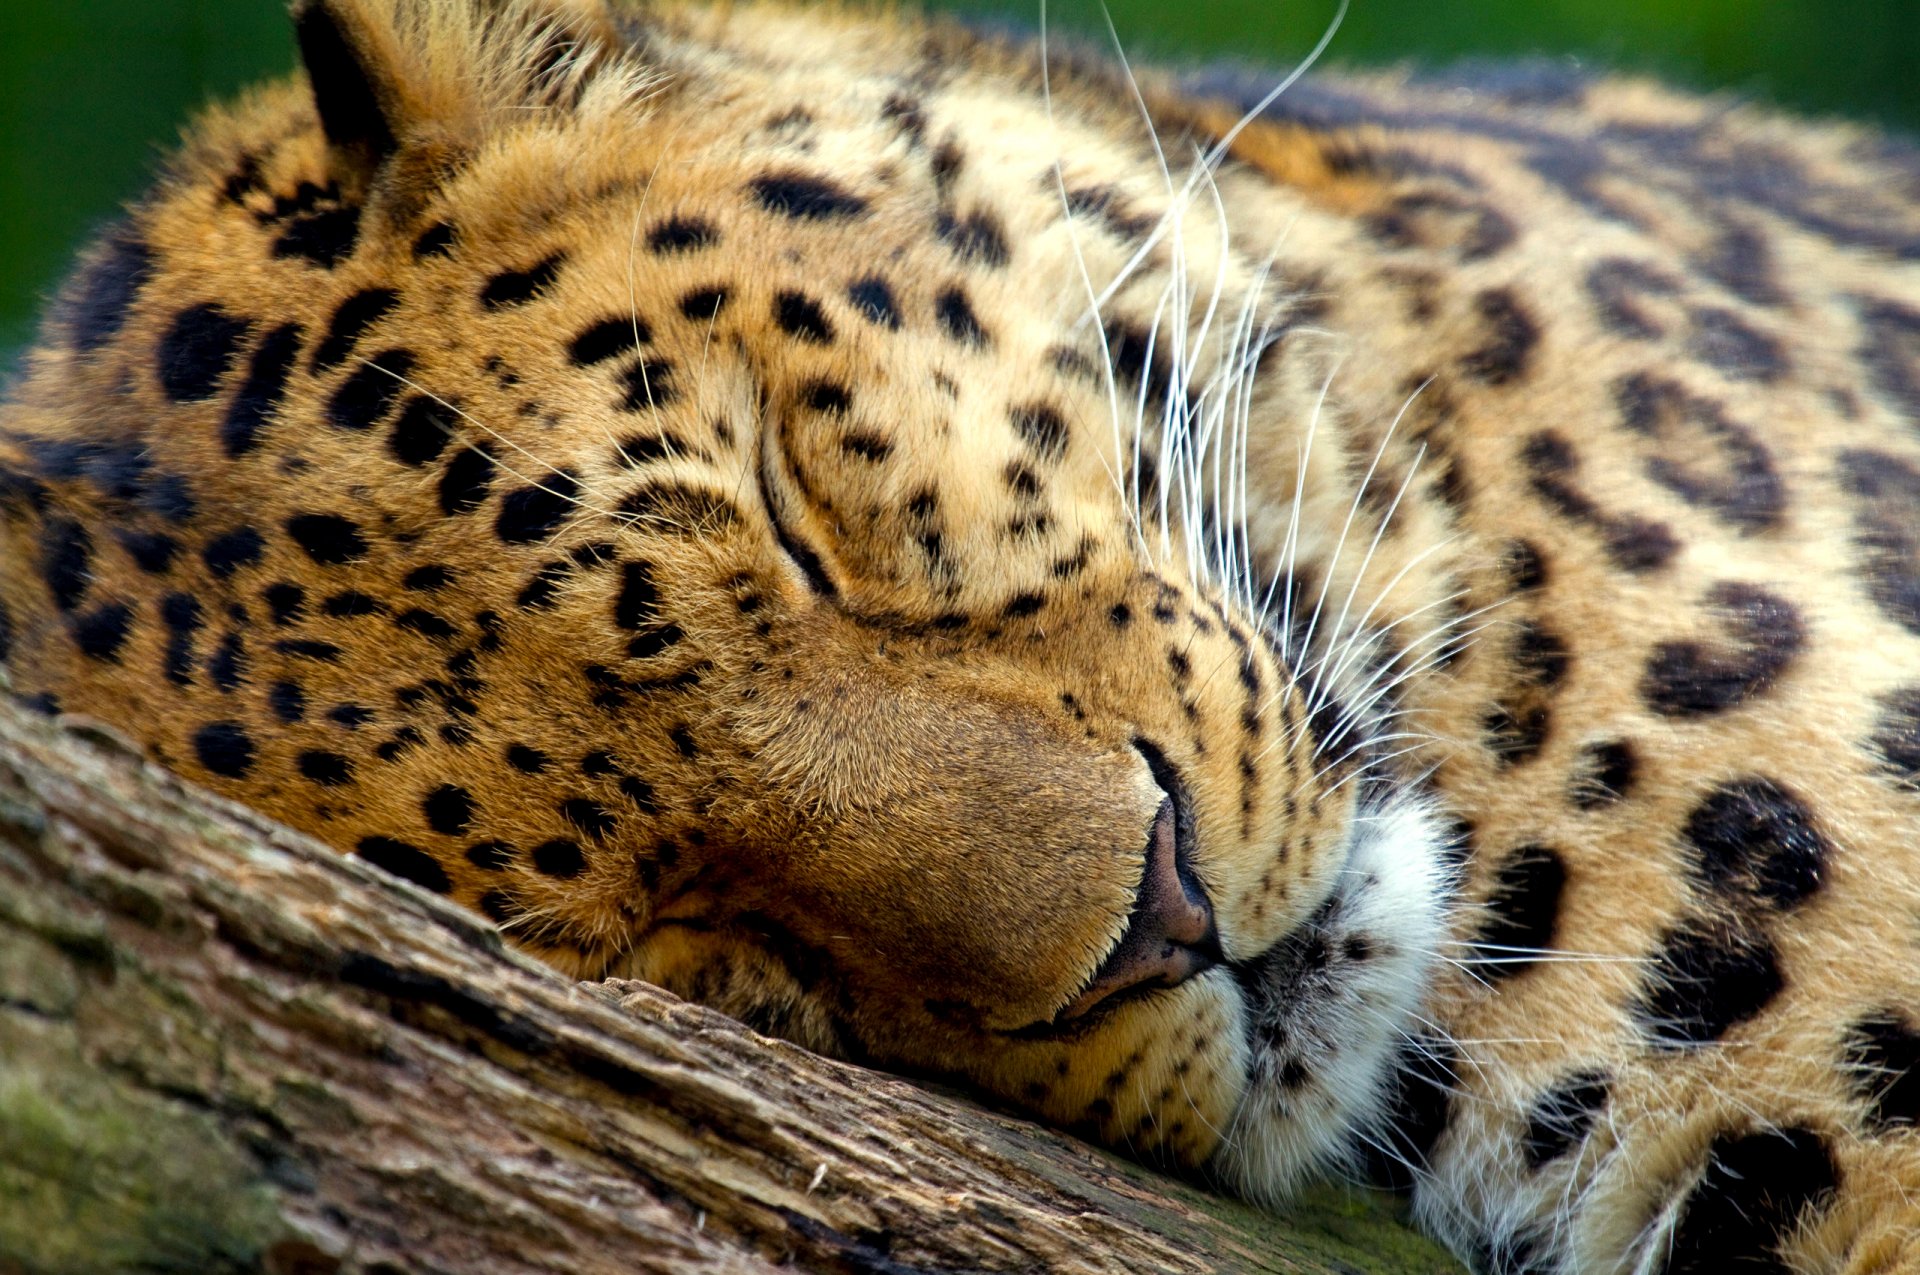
(91,89)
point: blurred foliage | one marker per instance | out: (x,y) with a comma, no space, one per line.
(90,92)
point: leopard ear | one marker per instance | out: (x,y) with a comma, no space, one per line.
(354,78)
(383,71)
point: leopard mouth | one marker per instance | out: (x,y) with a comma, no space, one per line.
(1332,1011)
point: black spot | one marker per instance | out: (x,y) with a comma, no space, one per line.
(366,397)
(1891,353)
(543,590)
(349,716)
(800,316)
(169,496)
(112,286)
(435,241)
(225,748)
(1512,337)
(428,579)
(498,907)
(1526,569)
(403,739)
(1617,284)
(1022,605)
(640,793)
(1722,340)
(1416,1112)
(325,238)
(1883,1060)
(589,817)
(1754,1194)
(260,395)
(1523,911)
(648,384)
(703,303)
(1563,1117)
(1516,730)
(866,445)
(535,513)
(528,761)
(197,351)
(286,602)
(101,632)
(1693,678)
(1633,543)
(559,859)
(351,604)
(674,507)
(683,741)
(827,396)
(1042,428)
(517,287)
(228,553)
(463,488)
(182,614)
(1120,615)
(426,624)
(1752,838)
(329,770)
(328,539)
(874,299)
(6,633)
(957,318)
(66,561)
(409,863)
(1705,458)
(1886,530)
(1896,736)
(654,642)
(449,810)
(682,234)
(977,237)
(1706,978)
(288,702)
(1108,206)
(151,551)
(1539,657)
(806,198)
(1603,774)
(638,450)
(350,322)
(228,667)
(490,856)
(608,339)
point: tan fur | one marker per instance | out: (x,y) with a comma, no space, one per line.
(905,820)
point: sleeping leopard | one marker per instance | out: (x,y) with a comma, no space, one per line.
(1363,625)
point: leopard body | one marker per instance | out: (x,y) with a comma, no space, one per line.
(1366,628)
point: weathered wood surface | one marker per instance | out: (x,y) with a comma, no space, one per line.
(224,1048)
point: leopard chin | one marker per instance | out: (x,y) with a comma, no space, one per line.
(1333,1021)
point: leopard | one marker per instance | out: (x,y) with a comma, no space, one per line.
(1339,625)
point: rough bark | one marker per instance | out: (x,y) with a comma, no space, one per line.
(224,1048)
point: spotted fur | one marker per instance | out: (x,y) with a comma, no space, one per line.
(1364,629)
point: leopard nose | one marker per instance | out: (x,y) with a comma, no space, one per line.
(1170,935)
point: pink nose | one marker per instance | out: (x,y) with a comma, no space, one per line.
(1170,935)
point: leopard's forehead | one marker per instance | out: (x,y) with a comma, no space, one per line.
(845,518)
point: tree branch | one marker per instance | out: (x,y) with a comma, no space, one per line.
(223,1047)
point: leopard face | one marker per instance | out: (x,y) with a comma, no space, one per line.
(1362,627)
(698,527)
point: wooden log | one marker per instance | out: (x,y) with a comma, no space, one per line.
(225,1048)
